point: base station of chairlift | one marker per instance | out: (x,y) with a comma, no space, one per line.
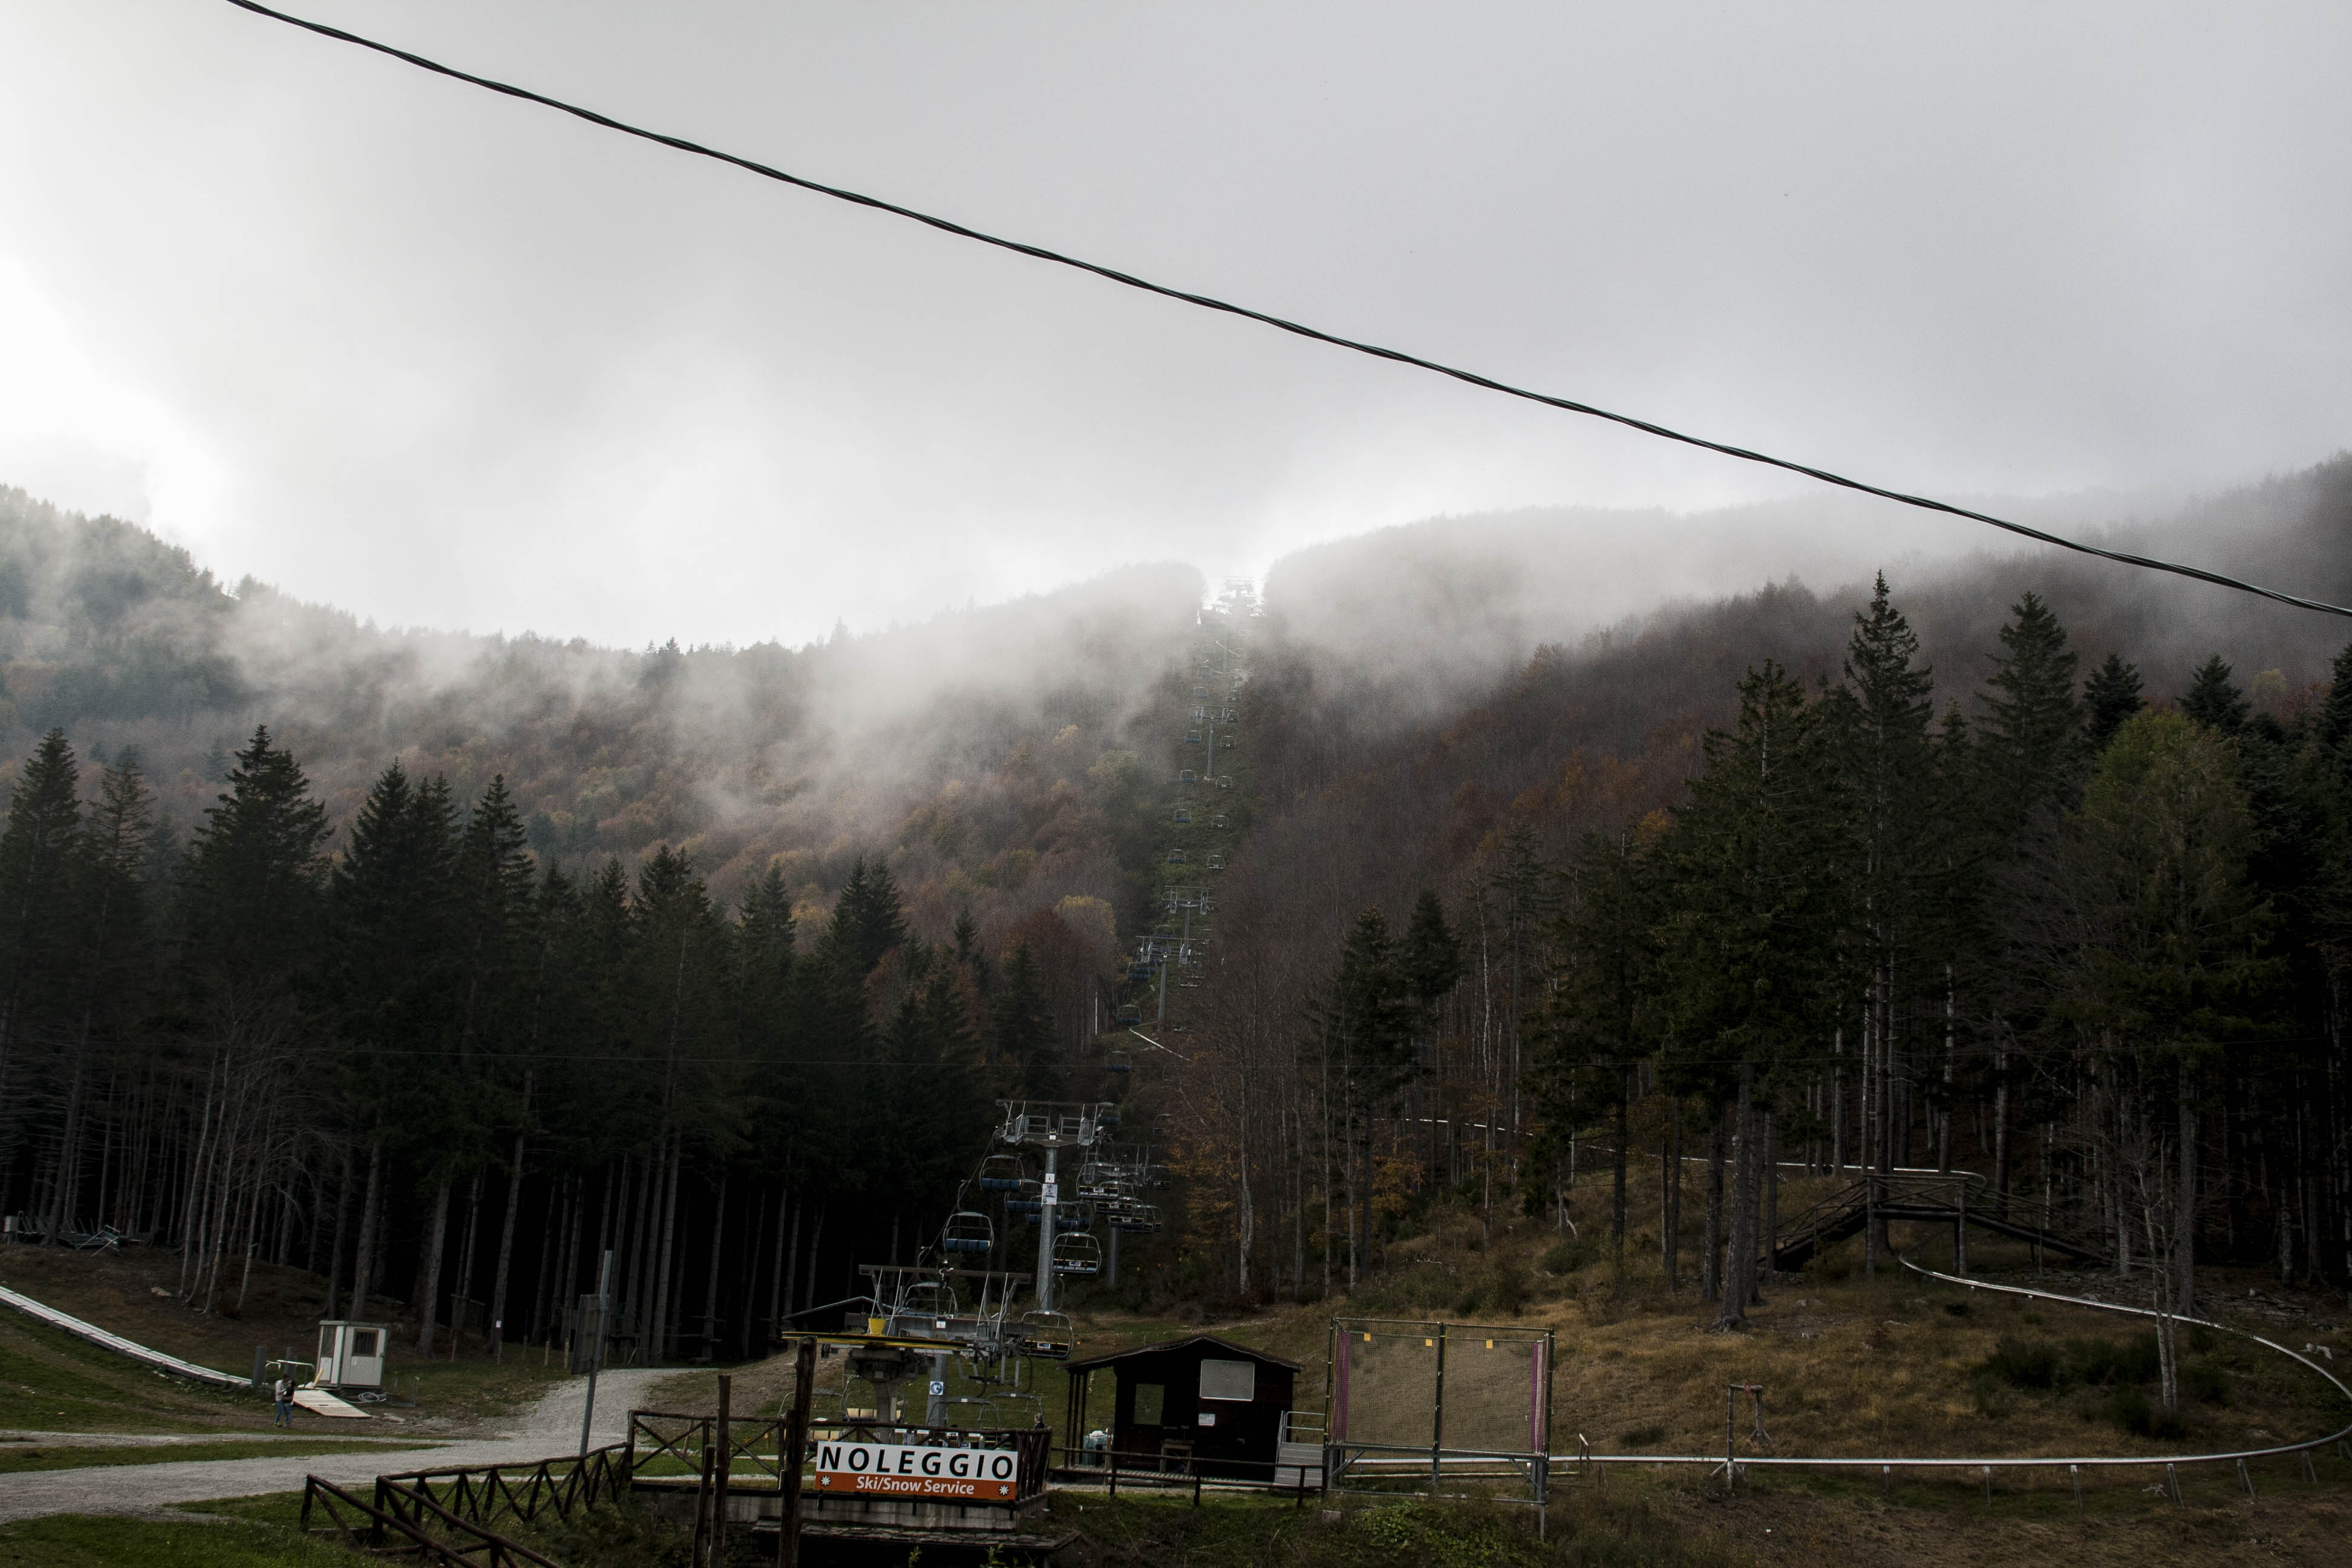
(920,1320)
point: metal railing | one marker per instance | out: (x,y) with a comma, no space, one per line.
(1731,1464)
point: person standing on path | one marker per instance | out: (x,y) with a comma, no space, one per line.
(283,1392)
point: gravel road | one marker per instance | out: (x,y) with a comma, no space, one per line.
(551,1427)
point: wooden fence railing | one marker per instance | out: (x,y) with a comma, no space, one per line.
(413,1526)
(484,1494)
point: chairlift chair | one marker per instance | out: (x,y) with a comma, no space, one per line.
(1218,820)
(1049,1335)
(930,1298)
(1003,1173)
(969,1413)
(1175,857)
(1118,1061)
(1183,815)
(1079,1255)
(1216,862)
(1224,781)
(1192,737)
(1187,776)
(968,1232)
(1130,1015)
(1028,1408)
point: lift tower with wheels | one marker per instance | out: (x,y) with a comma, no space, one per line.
(1052,1126)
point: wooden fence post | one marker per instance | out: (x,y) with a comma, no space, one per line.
(726,1457)
(788,1523)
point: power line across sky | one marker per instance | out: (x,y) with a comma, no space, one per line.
(1298,329)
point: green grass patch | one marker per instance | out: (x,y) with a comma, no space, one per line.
(249,1532)
(15,1460)
(52,1382)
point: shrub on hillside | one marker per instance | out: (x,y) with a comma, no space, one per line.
(2203,1380)
(2023,1364)
(1568,1257)
(2095,1363)
(2130,1408)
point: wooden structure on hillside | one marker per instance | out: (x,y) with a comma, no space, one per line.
(1200,1405)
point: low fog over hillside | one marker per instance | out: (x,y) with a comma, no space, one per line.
(1429,614)
(996,753)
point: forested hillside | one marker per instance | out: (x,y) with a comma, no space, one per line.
(1875,878)
(439,963)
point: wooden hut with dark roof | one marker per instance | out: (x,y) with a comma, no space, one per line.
(1200,1405)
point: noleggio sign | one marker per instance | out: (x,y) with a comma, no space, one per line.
(895,1470)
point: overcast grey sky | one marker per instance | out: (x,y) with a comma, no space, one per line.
(442,358)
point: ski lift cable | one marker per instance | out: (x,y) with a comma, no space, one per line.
(1297,328)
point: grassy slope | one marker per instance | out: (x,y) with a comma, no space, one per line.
(240,1533)
(52,1382)
(1851,1365)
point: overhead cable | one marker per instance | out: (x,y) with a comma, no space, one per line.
(1209,302)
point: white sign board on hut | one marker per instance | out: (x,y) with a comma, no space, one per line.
(902,1470)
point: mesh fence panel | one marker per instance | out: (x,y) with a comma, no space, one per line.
(1391,1387)
(1387,1383)
(1492,1383)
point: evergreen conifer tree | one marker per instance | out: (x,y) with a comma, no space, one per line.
(868,920)
(493,885)
(257,870)
(1023,1027)
(1759,908)
(2213,701)
(2336,713)
(2109,696)
(2033,728)
(1601,1016)
(37,932)
(1433,953)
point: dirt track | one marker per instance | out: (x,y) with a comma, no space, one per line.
(551,1427)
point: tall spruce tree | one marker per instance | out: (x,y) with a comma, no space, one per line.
(1759,907)
(2111,696)
(1886,765)
(867,919)
(1600,1018)
(1022,1027)
(2033,728)
(37,932)
(2214,701)
(257,873)
(113,958)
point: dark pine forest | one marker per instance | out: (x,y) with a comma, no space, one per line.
(456,966)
